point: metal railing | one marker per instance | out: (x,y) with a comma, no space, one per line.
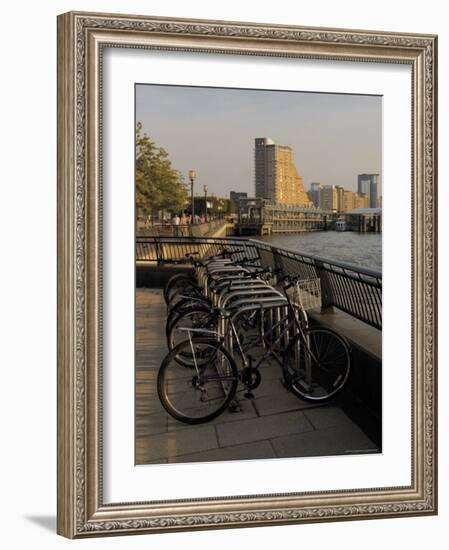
(174,250)
(182,230)
(352,289)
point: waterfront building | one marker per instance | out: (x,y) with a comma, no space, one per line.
(361,201)
(329,197)
(315,194)
(340,194)
(364,220)
(276,176)
(217,207)
(368,184)
(348,200)
(237,195)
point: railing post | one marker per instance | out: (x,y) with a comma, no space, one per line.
(159,252)
(277,262)
(327,297)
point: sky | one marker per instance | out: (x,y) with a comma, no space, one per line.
(334,137)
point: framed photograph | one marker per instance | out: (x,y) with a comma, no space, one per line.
(246,274)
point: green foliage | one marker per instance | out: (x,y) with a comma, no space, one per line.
(158,185)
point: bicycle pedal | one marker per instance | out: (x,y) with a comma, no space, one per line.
(248,395)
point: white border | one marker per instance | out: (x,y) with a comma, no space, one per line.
(123,482)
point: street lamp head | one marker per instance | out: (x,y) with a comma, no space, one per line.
(205,188)
(192,175)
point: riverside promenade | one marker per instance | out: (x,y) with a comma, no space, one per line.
(275,424)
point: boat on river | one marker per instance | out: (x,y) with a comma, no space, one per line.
(340,225)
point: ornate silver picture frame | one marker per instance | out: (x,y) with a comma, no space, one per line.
(83,510)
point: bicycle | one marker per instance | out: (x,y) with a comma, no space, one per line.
(198,311)
(183,281)
(198,379)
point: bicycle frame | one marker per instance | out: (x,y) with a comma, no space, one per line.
(285,324)
(268,338)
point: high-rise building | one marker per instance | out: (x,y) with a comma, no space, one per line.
(277,178)
(340,195)
(368,184)
(314,193)
(348,200)
(329,197)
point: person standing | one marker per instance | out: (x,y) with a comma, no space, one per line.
(183,224)
(176,221)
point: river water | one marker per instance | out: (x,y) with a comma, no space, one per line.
(361,249)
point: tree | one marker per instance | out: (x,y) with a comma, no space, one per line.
(158,185)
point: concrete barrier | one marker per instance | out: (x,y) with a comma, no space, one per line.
(361,398)
(150,275)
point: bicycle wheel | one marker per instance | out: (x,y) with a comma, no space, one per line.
(175,282)
(318,374)
(196,317)
(197,394)
(184,305)
(183,293)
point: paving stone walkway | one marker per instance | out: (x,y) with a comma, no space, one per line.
(275,424)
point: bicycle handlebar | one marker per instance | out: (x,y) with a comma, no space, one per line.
(221,254)
(290,280)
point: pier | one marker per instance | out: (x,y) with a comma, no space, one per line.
(257,217)
(275,423)
(364,220)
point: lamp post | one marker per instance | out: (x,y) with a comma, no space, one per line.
(192,178)
(205,202)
